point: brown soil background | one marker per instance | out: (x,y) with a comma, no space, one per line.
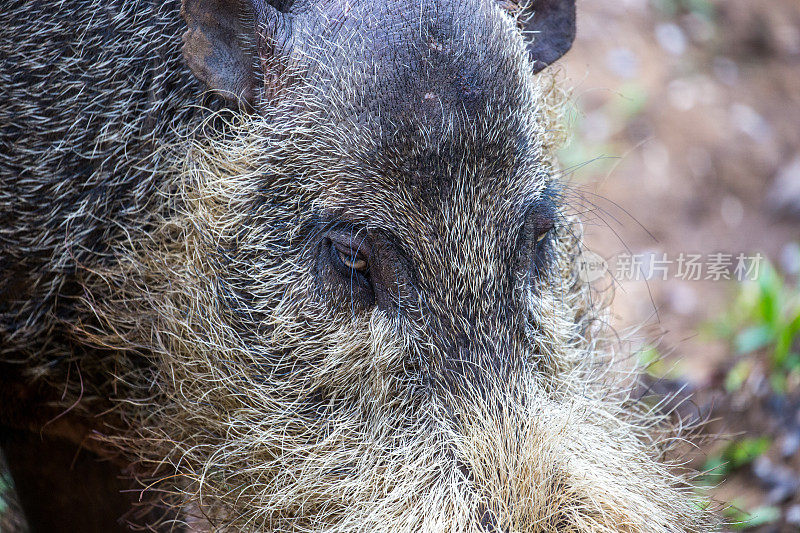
(687,140)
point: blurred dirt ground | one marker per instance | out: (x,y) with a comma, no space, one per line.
(687,141)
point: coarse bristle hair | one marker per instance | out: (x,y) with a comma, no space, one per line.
(180,292)
(216,432)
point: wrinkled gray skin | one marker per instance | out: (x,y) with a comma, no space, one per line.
(403,188)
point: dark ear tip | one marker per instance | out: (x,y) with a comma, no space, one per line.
(546,54)
(538,66)
(553,27)
(212,50)
(221,44)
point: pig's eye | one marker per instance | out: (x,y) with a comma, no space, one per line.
(542,230)
(542,236)
(345,257)
(539,223)
(343,266)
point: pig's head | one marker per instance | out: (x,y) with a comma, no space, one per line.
(362,305)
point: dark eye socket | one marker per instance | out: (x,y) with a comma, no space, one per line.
(540,229)
(542,234)
(539,221)
(343,269)
(347,259)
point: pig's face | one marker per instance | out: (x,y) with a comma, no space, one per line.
(371,320)
(433,201)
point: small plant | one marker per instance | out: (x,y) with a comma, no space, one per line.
(740,520)
(765,318)
(652,362)
(732,457)
(762,326)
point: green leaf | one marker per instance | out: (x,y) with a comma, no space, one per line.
(745,451)
(753,339)
(737,518)
(793,362)
(715,469)
(763,515)
(794,326)
(778,382)
(771,297)
(738,375)
(782,347)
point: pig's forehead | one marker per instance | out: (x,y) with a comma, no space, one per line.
(470,224)
(429,95)
(426,181)
(417,61)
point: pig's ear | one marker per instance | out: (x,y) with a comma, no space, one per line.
(237,47)
(550,24)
